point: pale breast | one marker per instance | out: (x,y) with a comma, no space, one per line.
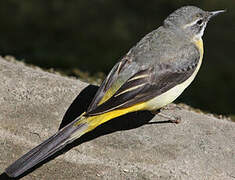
(170,95)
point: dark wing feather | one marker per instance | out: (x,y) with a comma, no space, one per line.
(108,82)
(145,85)
(122,95)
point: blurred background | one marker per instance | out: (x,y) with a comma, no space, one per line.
(86,38)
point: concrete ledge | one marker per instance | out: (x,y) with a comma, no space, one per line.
(136,146)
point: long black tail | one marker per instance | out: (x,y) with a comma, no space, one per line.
(50,146)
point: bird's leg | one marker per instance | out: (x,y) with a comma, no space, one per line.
(171,106)
(172,119)
(155,112)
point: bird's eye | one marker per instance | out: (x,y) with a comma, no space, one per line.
(199,22)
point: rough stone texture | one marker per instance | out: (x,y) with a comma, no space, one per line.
(137,146)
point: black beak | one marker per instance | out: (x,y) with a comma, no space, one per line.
(215,13)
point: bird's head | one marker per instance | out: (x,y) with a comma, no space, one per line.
(190,20)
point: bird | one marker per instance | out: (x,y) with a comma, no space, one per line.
(150,76)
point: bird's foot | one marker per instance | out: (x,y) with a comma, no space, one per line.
(172,119)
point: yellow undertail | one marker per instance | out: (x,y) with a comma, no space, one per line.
(94,121)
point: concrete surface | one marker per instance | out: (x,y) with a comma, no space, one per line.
(137,146)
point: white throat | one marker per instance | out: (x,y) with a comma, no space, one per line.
(200,34)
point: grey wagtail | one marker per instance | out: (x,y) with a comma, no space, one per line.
(151,75)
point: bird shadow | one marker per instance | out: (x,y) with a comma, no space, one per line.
(78,106)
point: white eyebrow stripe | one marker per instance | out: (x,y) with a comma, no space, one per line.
(190,24)
(138,77)
(130,89)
